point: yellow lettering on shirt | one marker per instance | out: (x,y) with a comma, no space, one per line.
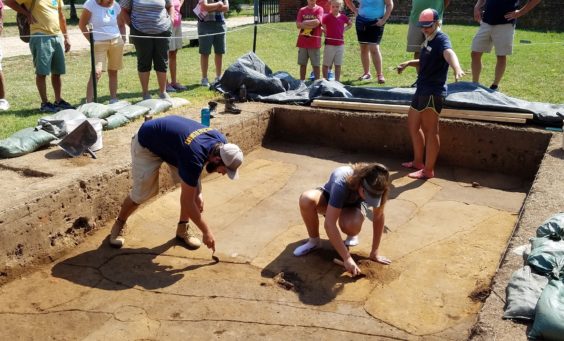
(195,134)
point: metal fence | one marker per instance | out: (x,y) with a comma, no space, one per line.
(269,11)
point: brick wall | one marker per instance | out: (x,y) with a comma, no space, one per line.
(547,16)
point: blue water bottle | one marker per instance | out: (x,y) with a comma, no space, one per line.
(205,116)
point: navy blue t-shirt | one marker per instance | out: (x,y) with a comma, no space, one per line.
(181,142)
(494,10)
(433,67)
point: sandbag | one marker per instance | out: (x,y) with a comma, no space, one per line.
(547,256)
(118,105)
(553,227)
(96,110)
(24,141)
(133,111)
(156,106)
(549,316)
(178,102)
(116,120)
(523,292)
(55,124)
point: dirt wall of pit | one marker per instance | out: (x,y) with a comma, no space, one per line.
(507,149)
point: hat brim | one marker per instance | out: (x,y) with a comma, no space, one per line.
(425,24)
(371,199)
(233,174)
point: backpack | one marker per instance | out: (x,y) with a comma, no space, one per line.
(23,24)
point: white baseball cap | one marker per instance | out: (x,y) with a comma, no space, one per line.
(232,157)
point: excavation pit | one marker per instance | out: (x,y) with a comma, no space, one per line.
(446,236)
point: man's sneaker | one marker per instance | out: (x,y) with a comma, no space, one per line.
(48,107)
(178,86)
(205,82)
(231,108)
(63,105)
(494,87)
(170,88)
(330,76)
(185,233)
(146,96)
(4,105)
(117,235)
(352,241)
(113,100)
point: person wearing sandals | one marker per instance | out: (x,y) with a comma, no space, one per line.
(150,23)
(423,116)
(371,16)
(109,36)
(175,45)
(187,147)
(340,200)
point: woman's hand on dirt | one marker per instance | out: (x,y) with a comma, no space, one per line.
(351,266)
(380,259)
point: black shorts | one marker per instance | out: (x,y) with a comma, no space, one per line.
(367,32)
(421,103)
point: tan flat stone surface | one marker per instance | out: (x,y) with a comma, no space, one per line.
(444,236)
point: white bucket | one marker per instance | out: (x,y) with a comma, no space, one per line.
(96,123)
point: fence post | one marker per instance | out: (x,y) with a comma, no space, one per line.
(93,63)
(256,24)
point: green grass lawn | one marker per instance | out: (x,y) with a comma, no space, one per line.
(533,72)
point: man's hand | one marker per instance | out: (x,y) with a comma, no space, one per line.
(209,241)
(67,45)
(512,15)
(200,202)
(351,266)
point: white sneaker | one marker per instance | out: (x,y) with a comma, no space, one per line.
(4,105)
(204,82)
(185,233)
(306,248)
(164,95)
(352,241)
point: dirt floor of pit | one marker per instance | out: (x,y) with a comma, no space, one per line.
(445,238)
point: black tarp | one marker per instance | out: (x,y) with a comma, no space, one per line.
(279,87)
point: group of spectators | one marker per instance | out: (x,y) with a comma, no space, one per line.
(155,31)
(324,17)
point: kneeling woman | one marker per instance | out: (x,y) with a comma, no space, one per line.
(340,201)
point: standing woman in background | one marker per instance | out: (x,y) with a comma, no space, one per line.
(435,56)
(371,16)
(150,23)
(109,37)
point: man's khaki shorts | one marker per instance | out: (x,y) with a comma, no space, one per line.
(414,38)
(145,172)
(500,36)
(109,54)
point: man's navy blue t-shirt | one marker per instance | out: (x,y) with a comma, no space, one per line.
(433,67)
(495,10)
(180,142)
